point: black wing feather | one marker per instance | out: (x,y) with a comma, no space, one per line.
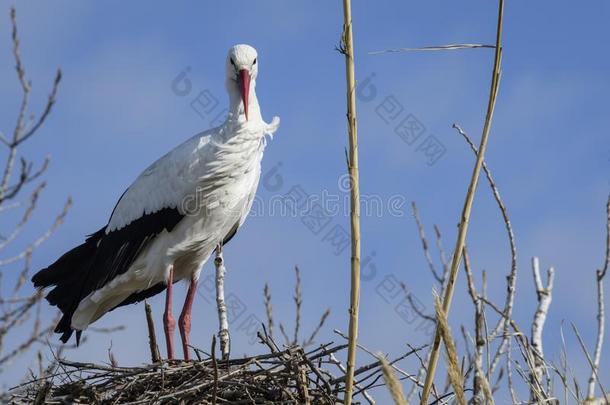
(100,259)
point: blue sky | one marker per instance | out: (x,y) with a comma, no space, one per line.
(549,153)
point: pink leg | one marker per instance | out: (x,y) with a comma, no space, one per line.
(169,324)
(184,322)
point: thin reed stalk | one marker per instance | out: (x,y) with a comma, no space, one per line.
(465,218)
(347,48)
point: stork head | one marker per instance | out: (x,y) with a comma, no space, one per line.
(241,69)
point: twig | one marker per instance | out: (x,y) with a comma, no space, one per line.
(584,349)
(511,281)
(310,339)
(477,388)
(565,365)
(607,261)
(152,337)
(424,241)
(465,218)
(298,302)
(413,350)
(414,306)
(441,251)
(512,277)
(111,357)
(365,394)
(284,335)
(215,366)
(268,309)
(42,238)
(20,133)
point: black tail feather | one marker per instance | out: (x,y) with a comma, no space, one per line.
(66,276)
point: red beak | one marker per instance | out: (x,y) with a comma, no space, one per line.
(244,83)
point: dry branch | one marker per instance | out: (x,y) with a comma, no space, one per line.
(268,309)
(155,356)
(298,302)
(361,390)
(511,280)
(425,246)
(479,341)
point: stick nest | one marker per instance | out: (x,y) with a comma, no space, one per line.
(289,376)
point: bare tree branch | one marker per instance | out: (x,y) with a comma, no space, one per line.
(425,246)
(601,312)
(298,302)
(21,312)
(544,295)
(268,309)
(223,322)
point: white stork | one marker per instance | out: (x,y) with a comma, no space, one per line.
(168,222)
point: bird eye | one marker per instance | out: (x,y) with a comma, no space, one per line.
(254,63)
(232,62)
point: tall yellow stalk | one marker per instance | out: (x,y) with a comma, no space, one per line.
(348,51)
(463,228)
